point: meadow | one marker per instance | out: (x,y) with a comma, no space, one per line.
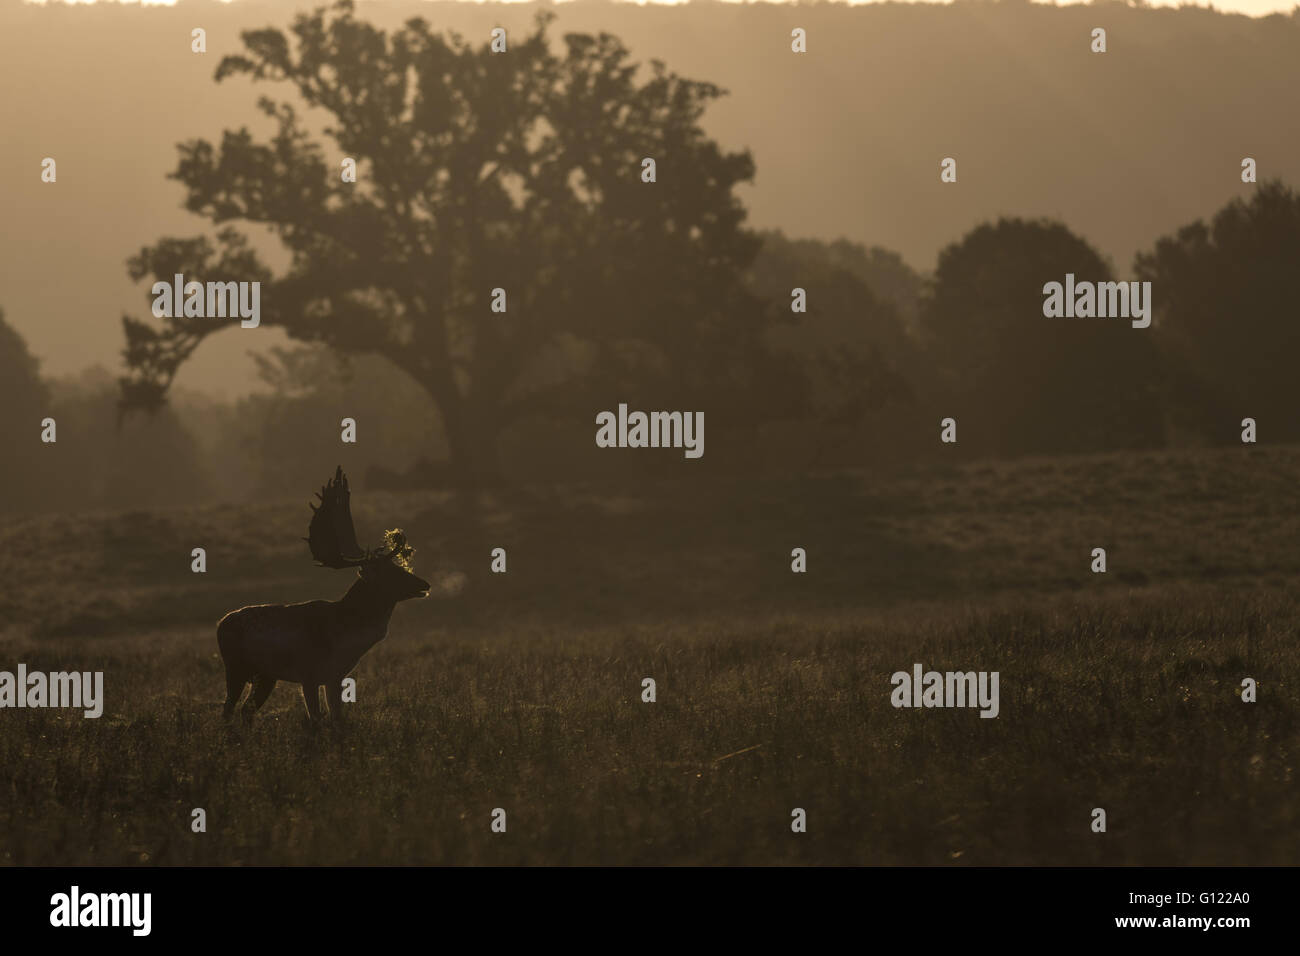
(523,691)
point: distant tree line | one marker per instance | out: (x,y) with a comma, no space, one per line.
(881,355)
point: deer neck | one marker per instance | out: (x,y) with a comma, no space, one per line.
(372,606)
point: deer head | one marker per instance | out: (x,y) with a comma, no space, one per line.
(333,542)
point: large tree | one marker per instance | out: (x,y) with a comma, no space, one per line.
(1019,382)
(476,170)
(1225,309)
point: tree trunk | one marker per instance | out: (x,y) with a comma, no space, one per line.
(472,444)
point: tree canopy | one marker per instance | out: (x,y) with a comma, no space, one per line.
(477,171)
(1024,382)
(1226,306)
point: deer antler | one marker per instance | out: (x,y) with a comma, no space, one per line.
(396,548)
(331,535)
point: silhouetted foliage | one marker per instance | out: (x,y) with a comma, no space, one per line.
(1018,381)
(852,343)
(92,463)
(476,172)
(312,388)
(883,271)
(107,462)
(25,401)
(1225,310)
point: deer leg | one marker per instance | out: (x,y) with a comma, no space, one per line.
(262,687)
(334,696)
(234,690)
(311,699)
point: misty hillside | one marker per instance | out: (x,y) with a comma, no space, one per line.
(583,553)
(1123,147)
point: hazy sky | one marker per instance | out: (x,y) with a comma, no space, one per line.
(1251,8)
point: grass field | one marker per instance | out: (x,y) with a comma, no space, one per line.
(522,691)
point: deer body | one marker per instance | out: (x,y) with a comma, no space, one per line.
(315,642)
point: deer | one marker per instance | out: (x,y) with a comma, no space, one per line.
(319,642)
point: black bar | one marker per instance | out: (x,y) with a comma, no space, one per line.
(876,904)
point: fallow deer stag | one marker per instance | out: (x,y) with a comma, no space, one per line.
(319,642)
